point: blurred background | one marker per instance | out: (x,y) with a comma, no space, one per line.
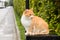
(49,10)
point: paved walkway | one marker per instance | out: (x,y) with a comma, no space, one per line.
(8,26)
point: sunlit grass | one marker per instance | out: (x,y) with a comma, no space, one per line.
(21,28)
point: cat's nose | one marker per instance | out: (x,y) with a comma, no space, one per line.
(31,16)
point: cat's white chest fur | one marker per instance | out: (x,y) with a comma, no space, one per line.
(25,22)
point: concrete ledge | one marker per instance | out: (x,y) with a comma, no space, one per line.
(42,37)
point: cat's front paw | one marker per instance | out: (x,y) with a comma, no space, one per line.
(26,33)
(29,33)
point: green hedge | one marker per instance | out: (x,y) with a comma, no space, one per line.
(42,8)
(19,7)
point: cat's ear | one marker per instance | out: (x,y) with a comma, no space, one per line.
(31,9)
(26,11)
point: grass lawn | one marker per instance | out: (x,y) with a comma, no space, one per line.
(21,28)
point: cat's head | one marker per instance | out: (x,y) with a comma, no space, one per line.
(28,13)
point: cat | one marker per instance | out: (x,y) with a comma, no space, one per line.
(33,25)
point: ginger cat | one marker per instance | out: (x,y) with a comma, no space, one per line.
(33,25)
